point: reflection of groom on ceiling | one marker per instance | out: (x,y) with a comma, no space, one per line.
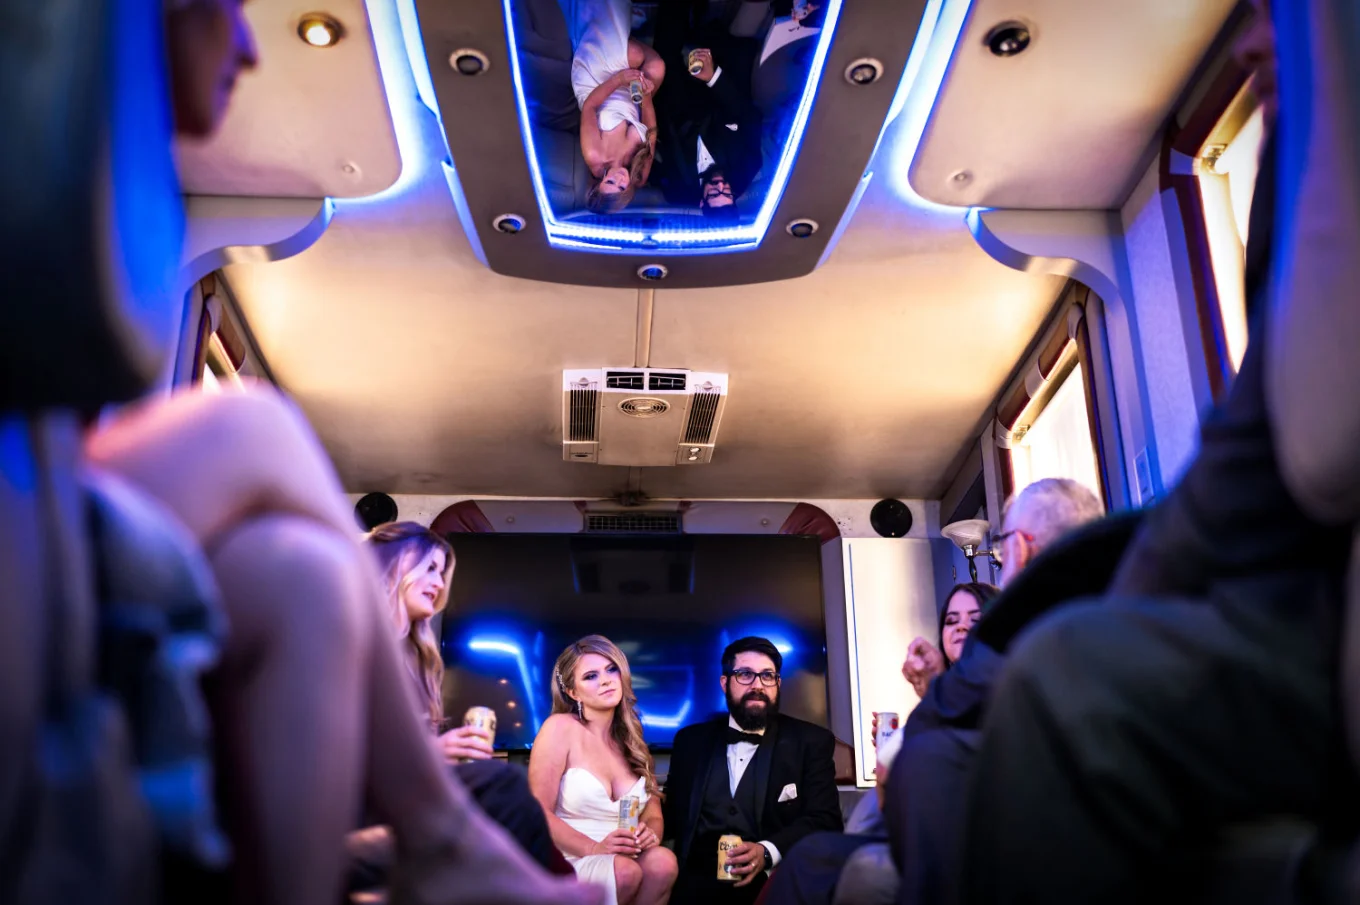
(709,127)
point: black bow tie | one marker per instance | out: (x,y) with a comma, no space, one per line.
(736,737)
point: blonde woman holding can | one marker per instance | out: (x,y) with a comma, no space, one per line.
(588,761)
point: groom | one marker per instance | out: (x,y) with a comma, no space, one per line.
(753,773)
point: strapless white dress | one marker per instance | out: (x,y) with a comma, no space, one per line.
(599,41)
(584,804)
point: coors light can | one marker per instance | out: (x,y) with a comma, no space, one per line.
(727,845)
(482,718)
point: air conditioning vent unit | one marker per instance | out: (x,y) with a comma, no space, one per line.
(641,417)
(633,523)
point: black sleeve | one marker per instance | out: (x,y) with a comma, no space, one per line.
(958,696)
(817,788)
(1079,564)
(678,782)
(731,93)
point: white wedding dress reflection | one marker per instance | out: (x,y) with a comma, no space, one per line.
(599,41)
(584,804)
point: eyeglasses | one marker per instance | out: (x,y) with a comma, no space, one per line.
(997,540)
(768,678)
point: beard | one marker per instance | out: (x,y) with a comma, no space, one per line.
(757,718)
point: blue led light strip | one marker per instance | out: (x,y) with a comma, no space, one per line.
(576,236)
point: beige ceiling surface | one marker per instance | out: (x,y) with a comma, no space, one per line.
(310,122)
(1064,124)
(425,372)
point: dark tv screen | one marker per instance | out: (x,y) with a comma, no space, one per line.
(670,603)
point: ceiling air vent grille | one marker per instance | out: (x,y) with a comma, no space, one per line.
(582,426)
(703,411)
(633,523)
(624,380)
(657,381)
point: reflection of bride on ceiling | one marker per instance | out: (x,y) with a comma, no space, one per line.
(613,77)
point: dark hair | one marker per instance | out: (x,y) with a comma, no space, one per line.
(982,592)
(725,212)
(751,644)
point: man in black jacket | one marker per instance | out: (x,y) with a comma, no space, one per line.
(708,126)
(754,773)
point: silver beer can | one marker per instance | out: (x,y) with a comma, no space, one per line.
(482,718)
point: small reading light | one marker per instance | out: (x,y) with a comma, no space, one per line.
(1009,39)
(320,30)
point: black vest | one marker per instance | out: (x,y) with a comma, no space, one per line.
(721,811)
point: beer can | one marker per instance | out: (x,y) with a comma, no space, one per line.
(695,64)
(635,91)
(630,812)
(482,718)
(727,845)
(887,725)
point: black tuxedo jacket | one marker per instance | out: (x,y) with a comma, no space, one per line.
(687,109)
(802,757)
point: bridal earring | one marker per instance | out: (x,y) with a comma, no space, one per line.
(580,711)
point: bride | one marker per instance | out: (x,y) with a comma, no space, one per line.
(618,139)
(589,755)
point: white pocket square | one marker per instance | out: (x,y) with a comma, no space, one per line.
(789,793)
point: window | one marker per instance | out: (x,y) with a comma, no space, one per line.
(1058,443)
(1227,168)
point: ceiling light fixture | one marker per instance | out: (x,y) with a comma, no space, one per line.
(1009,39)
(864,71)
(469,61)
(320,30)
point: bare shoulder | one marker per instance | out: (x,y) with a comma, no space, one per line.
(558,730)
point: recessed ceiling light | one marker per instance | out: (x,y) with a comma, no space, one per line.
(320,30)
(1009,39)
(864,71)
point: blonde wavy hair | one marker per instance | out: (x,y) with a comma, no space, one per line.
(401,548)
(627,727)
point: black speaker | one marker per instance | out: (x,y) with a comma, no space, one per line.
(890,518)
(373,509)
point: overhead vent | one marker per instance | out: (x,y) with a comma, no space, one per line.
(606,422)
(634,523)
(659,381)
(625,380)
(703,417)
(583,403)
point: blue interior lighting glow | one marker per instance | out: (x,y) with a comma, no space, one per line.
(511,649)
(674,721)
(941,25)
(677,719)
(567,234)
(410,94)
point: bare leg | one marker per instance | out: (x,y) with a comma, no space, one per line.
(627,880)
(312,691)
(284,706)
(659,870)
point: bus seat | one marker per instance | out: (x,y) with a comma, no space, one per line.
(1311,366)
(92,220)
(89,247)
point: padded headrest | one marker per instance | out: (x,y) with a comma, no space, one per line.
(1311,365)
(91,225)
(1079,564)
